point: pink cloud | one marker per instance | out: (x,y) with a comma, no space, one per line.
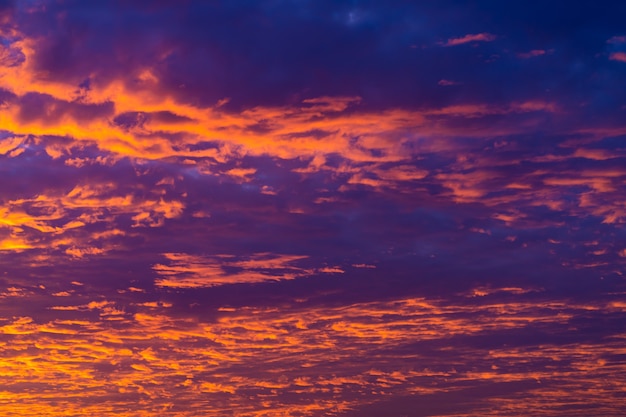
(446,83)
(477,37)
(617,39)
(531,54)
(618,56)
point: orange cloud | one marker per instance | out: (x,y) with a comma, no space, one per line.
(146,124)
(190,271)
(57,220)
(297,360)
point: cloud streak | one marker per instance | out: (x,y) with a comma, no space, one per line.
(469,38)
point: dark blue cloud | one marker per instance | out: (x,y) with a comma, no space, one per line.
(279,52)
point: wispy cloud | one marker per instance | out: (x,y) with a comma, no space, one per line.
(476,37)
(535,53)
(447,83)
(617,39)
(618,56)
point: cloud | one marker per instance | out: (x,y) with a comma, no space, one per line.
(233,360)
(447,83)
(618,56)
(188,271)
(617,39)
(534,53)
(476,37)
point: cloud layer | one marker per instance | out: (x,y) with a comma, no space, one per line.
(311,209)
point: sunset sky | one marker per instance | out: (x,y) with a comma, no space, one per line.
(312,208)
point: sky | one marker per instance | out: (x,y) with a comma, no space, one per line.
(298,208)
